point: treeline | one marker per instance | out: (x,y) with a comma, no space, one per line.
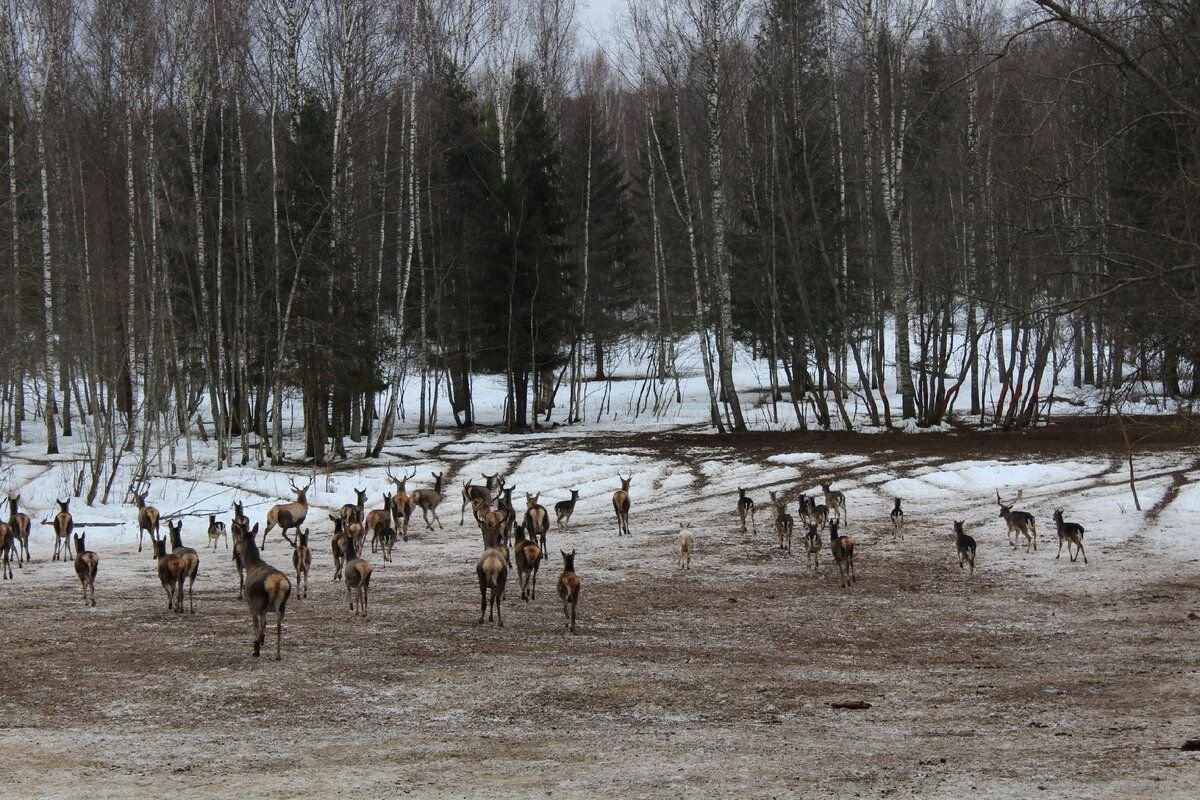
(226,204)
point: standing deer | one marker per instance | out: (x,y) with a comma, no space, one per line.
(64,525)
(898,520)
(85,568)
(1020,523)
(356,511)
(492,571)
(835,502)
(339,555)
(191,559)
(378,519)
(1072,534)
(687,543)
(358,577)
(302,560)
(812,547)
(240,518)
(429,499)
(287,516)
(148,517)
(402,505)
(842,548)
(816,514)
(172,570)
(267,589)
(472,493)
(216,530)
(528,557)
(745,507)
(620,501)
(568,588)
(783,523)
(563,510)
(8,550)
(239,530)
(20,525)
(537,521)
(965,545)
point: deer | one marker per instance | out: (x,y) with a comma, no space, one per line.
(287,516)
(783,523)
(492,524)
(267,589)
(240,530)
(492,571)
(1072,534)
(354,512)
(528,557)
(812,547)
(190,557)
(172,570)
(1020,523)
(428,500)
(563,510)
(401,506)
(620,501)
(216,529)
(835,502)
(20,526)
(387,540)
(568,589)
(8,549)
(86,563)
(339,557)
(378,518)
(745,507)
(842,548)
(239,517)
(471,493)
(504,504)
(965,545)
(148,516)
(357,577)
(63,524)
(687,543)
(301,561)
(816,514)
(537,521)
(897,520)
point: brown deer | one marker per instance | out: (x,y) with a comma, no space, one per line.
(472,493)
(835,502)
(1072,534)
(387,540)
(745,508)
(20,525)
(377,519)
(783,523)
(240,517)
(563,510)
(492,571)
(8,550)
(239,531)
(537,521)
(812,547)
(1020,523)
(965,545)
(357,576)
(267,589)
(216,529)
(568,588)
(288,515)
(528,557)
(64,525)
(148,517)
(428,500)
(86,563)
(687,543)
(620,501)
(492,524)
(355,512)
(817,514)
(190,557)
(897,520)
(504,504)
(402,505)
(842,548)
(301,561)
(172,570)
(339,555)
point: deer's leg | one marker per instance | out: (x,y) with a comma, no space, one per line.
(278,634)
(482,601)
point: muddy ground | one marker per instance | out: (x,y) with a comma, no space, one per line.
(1038,677)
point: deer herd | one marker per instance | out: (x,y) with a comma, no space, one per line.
(505,540)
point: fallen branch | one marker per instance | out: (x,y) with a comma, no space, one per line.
(852,704)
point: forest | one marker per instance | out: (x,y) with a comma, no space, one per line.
(213,208)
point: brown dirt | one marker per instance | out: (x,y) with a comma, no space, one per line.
(1035,675)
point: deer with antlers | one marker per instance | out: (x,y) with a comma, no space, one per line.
(63,524)
(620,501)
(20,525)
(288,515)
(472,493)
(86,563)
(1020,523)
(267,589)
(1072,534)
(402,505)
(428,500)
(148,516)
(190,557)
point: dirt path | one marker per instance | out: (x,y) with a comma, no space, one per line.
(1081,681)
